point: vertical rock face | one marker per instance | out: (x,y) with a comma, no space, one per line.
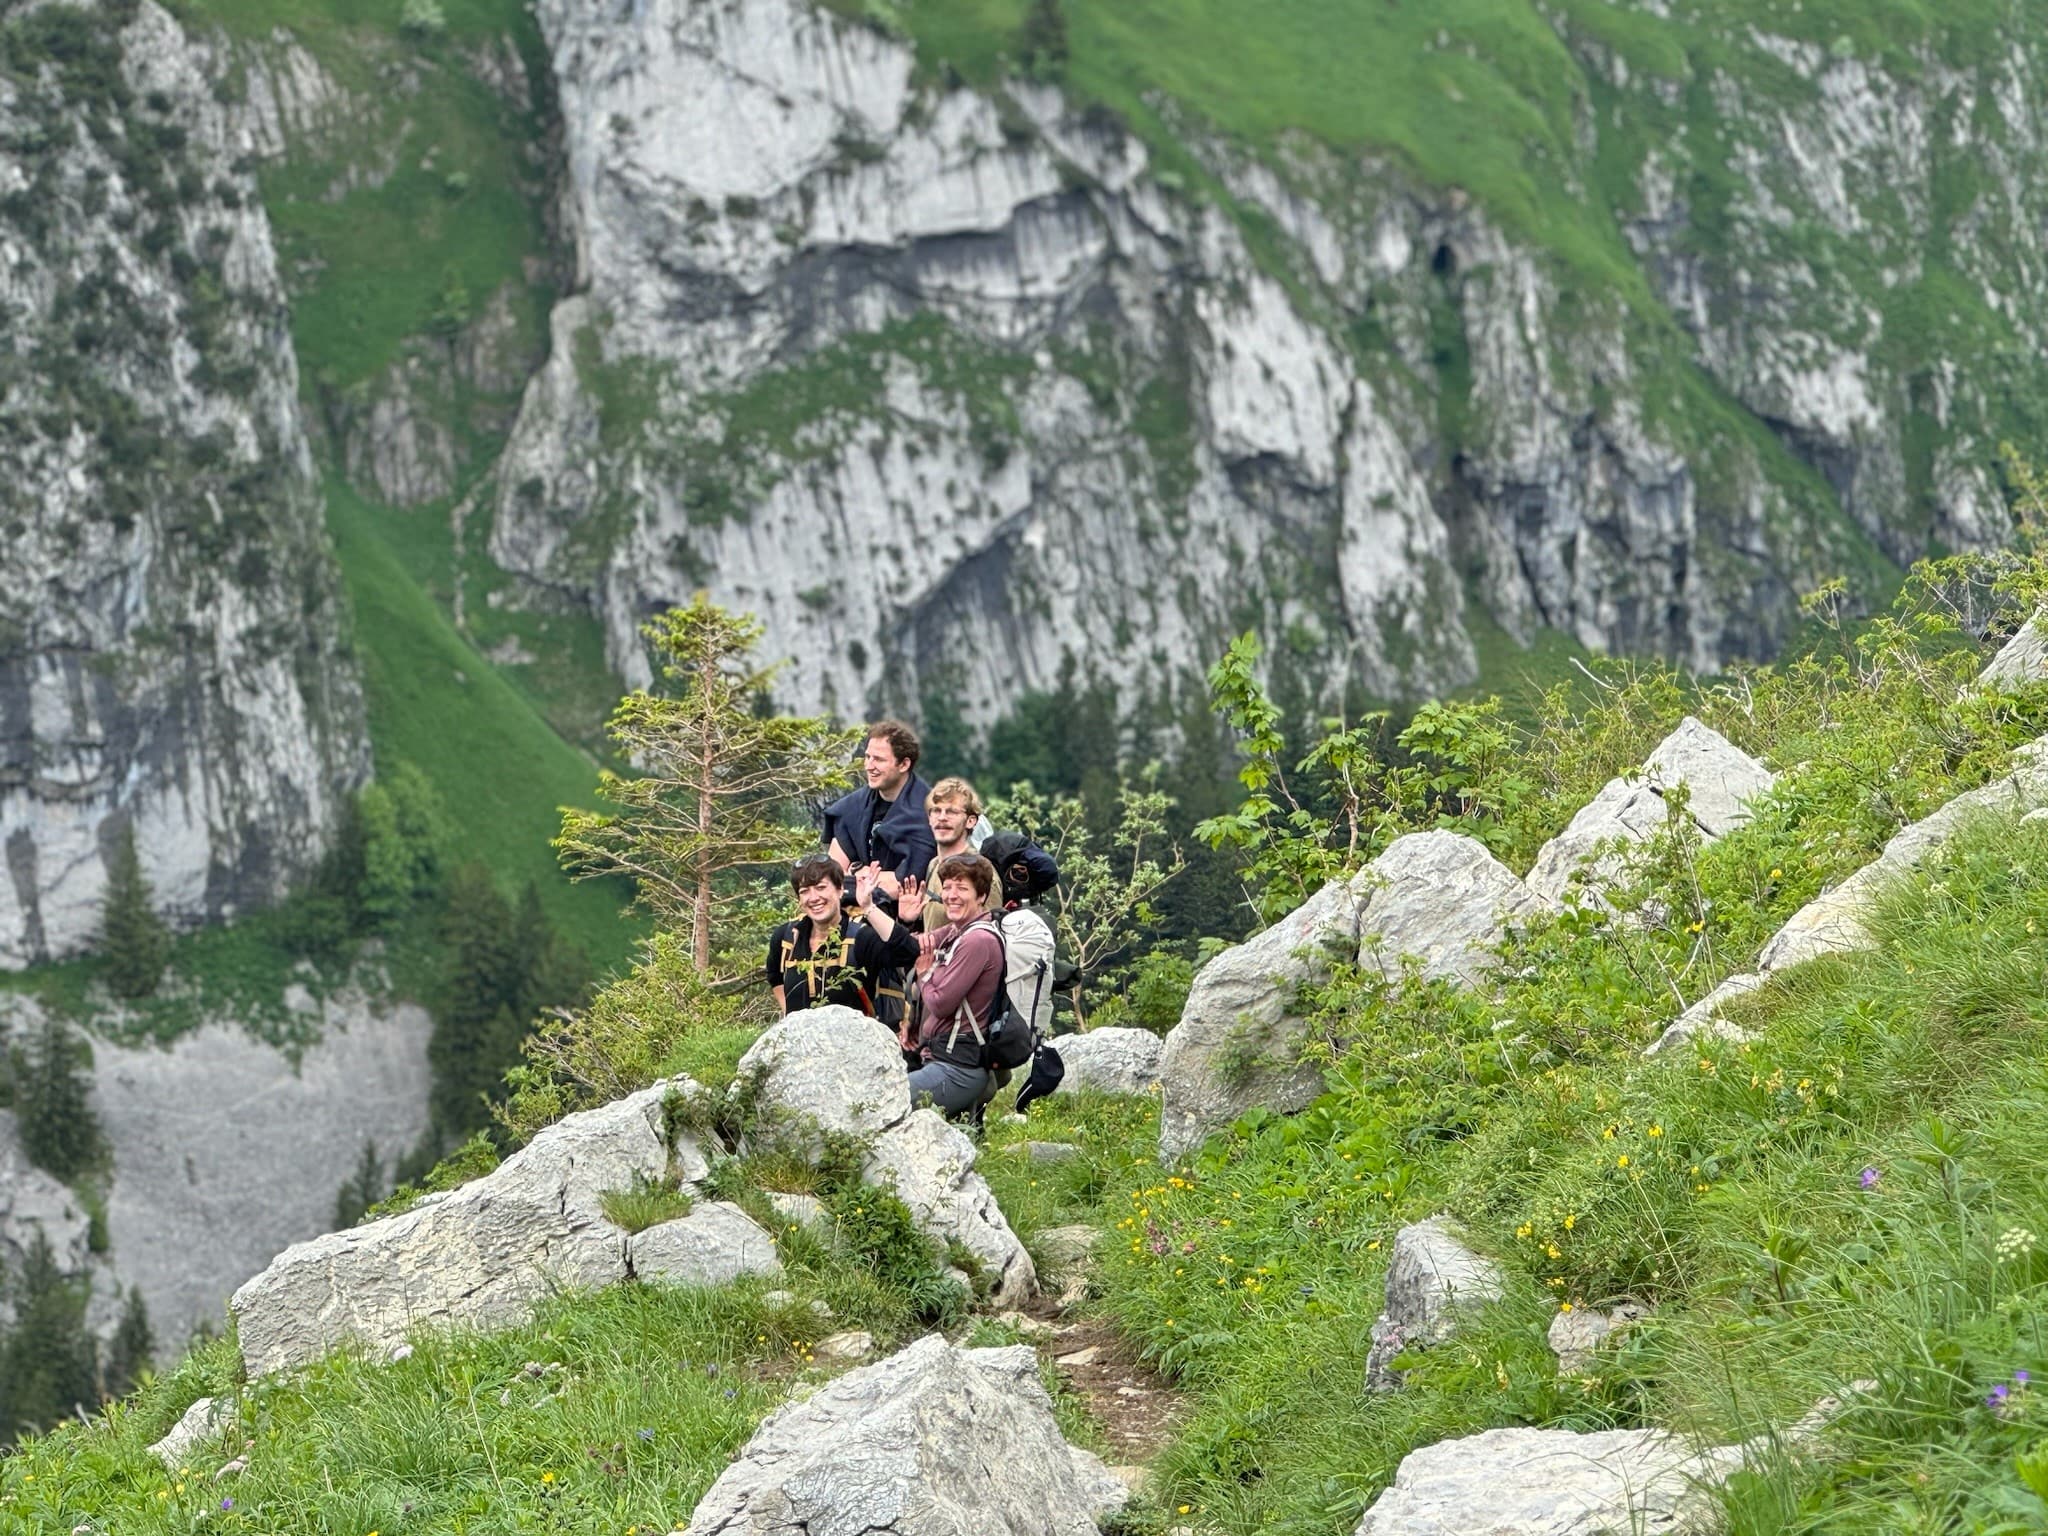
(901,365)
(173,651)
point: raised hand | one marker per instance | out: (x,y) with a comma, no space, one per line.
(910,900)
(864,884)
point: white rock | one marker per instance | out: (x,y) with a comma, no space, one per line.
(2023,659)
(1239,1038)
(1051,1151)
(482,1257)
(833,1065)
(853,1344)
(1064,1247)
(1111,1060)
(715,1244)
(1431,1277)
(1441,899)
(1833,922)
(204,1420)
(797,1210)
(1723,780)
(1703,1018)
(1576,1335)
(1592,850)
(930,1165)
(903,1446)
(1552,1482)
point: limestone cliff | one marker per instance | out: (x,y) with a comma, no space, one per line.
(895,362)
(173,647)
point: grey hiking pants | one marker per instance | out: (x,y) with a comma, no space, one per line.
(952,1090)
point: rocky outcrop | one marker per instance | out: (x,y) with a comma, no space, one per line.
(174,660)
(835,1070)
(1553,1482)
(484,1254)
(1833,922)
(1703,1019)
(1720,781)
(1430,1279)
(225,1149)
(933,1441)
(2021,660)
(716,1244)
(859,311)
(1111,1060)
(1434,901)
(35,1204)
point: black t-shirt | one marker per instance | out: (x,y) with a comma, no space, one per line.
(847,969)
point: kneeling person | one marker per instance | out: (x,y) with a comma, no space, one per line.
(825,956)
(962,966)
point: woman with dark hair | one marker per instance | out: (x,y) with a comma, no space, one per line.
(824,955)
(961,966)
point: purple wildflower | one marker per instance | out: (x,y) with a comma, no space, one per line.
(1997,1396)
(227,1503)
(2020,1378)
(1868,1178)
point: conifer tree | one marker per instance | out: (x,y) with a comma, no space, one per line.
(48,1363)
(480,979)
(1043,43)
(361,1189)
(132,936)
(52,1101)
(719,774)
(129,1351)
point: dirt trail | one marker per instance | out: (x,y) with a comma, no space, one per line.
(1134,1404)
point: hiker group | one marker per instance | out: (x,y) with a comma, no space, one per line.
(916,913)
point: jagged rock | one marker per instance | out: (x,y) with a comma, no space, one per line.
(1553,1482)
(1435,898)
(481,1257)
(902,1446)
(1832,923)
(1593,848)
(1438,898)
(1720,778)
(174,663)
(1064,1247)
(203,1421)
(1704,1016)
(930,1165)
(834,1066)
(1051,1151)
(841,1070)
(1576,1335)
(853,1344)
(715,1244)
(1431,1277)
(1239,1036)
(1111,1060)
(2023,659)
(797,1210)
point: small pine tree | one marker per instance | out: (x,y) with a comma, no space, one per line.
(133,937)
(1043,43)
(52,1098)
(49,1361)
(361,1189)
(480,979)
(130,1349)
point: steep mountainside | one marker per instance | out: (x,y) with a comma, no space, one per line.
(1632,325)
(173,652)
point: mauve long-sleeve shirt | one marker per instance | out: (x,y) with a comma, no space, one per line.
(972,971)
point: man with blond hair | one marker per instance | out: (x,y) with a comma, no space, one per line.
(953,811)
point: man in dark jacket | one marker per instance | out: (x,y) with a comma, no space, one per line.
(885,823)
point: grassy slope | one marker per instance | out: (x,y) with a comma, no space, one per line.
(438,704)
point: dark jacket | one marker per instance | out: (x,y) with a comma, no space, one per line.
(902,841)
(848,971)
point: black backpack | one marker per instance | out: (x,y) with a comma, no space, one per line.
(1005,1038)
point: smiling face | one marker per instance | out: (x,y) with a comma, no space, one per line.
(950,823)
(885,770)
(960,899)
(820,901)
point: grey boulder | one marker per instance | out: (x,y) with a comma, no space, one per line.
(834,1067)
(1553,1482)
(1431,1277)
(930,1166)
(1111,1060)
(716,1244)
(1437,900)
(933,1441)
(1720,779)
(1576,1336)
(204,1420)
(481,1256)
(2023,659)
(1834,922)
(1703,1018)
